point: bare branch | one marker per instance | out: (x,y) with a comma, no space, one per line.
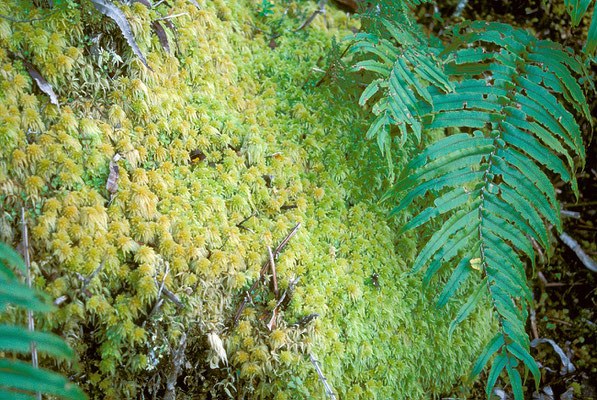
(263,269)
(584,257)
(25,235)
(177,359)
(328,389)
(173,298)
(320,10)
(273,265)
(570,214)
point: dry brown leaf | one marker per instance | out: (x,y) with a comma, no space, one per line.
(112,182)
(110,10)
(159,30)
(43,85)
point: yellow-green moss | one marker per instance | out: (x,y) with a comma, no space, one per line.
(228,94)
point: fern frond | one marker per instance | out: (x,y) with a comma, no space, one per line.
(404,67)
(509,102)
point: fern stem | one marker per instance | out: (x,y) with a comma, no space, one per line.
(25,238)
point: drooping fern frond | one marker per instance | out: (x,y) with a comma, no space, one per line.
(490,181)
(404,66)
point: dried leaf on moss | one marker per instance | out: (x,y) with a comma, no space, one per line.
(110,10)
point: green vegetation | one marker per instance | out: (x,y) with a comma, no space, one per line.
(18,379)
(159,150)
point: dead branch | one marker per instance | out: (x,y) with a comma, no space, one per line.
(534,320)
(240,224)
(575,247)
(328,389)
(87,280)
(570,214)
(288,291)
(25,238)
(263,269)
(60,300)
(273,265)
(320,10)
(177,359)
(173,298)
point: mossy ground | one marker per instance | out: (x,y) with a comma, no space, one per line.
(229,95)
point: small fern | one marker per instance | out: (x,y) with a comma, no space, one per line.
(511,97)
(18,380)
(577,10)
(403,73)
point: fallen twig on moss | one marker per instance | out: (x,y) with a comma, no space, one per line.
(173,298)
(320,10)
(575,247)
(285,296)
(328,389)
(177,359)
(240,224)
(570,214)
(273,265)
(87,281)
(25,238)
(263,269)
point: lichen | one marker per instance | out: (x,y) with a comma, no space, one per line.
(227,94)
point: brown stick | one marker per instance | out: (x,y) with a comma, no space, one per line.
(240,224)
(328,389)
(177,359)
(173,298)
(533,321)
(25,235)
(320,10)
(87,280)
(273,265)
(263,269)
(289,289)
(582,256)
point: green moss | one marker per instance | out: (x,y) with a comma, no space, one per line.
(241,103)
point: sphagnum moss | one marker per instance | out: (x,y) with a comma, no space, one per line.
(230,96)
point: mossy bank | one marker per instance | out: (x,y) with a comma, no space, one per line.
(263,142)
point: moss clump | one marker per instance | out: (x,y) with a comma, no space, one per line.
(265,143)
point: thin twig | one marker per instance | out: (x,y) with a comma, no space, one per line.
(320,10)
(288,290)
(60,300)
(177,359)
(160,301)
(534,319)
(273,265)
(27,20)
(163,280)
(459,8)
(171,16)
(87,280)
(25,235)
(262,272)
(240,224)
(173,298)
(584,258)
(328,389)
(570,214)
